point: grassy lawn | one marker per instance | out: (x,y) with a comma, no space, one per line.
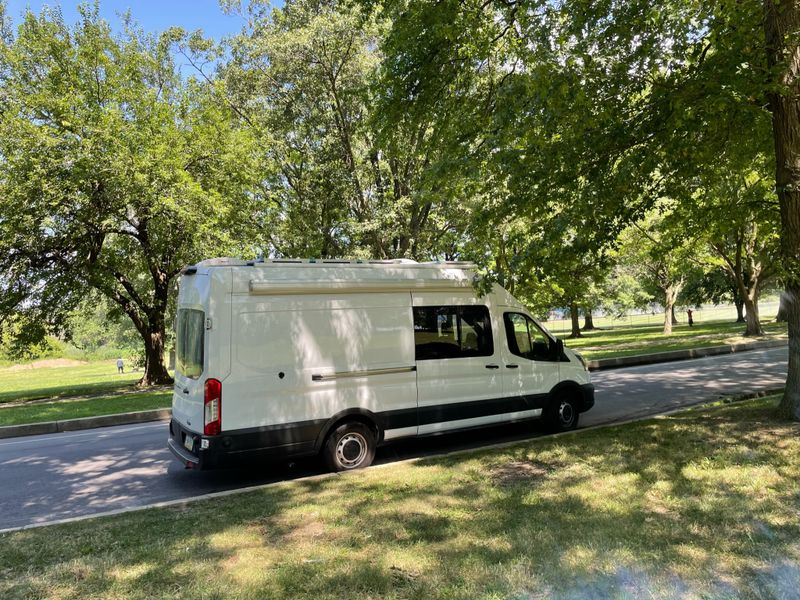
(709,314)
(647,340)
(699,504)
(74,409)
(18,384)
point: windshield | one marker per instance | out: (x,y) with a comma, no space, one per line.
(189,342)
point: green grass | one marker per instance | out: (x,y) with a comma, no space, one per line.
(698,504)
(74,409)
(709,314)
(648,340)
(18,385)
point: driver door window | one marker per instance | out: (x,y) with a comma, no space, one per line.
(525,339)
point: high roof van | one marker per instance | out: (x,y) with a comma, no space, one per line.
(285,358)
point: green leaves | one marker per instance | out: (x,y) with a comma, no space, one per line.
(116,171)
(578,118)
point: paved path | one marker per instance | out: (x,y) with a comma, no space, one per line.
(49,477)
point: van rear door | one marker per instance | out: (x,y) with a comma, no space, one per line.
(187,397)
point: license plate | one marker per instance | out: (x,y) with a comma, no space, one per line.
(188,443)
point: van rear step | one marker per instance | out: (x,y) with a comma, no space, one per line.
(190,461)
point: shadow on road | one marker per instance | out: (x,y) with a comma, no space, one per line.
(259,473)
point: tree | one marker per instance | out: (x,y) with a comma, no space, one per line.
(97,325)
(306,78)
(116,173)
(660,257)
(731,212)
(531,256)
(623,290)
(782,34)
(714,285)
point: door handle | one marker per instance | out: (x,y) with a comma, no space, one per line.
(512,366)
(492,366)
(186,391)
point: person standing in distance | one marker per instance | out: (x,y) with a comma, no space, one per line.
(120,365)
(689,314)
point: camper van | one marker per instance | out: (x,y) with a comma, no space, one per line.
(286,358)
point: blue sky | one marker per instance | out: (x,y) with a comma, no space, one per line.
(152,15)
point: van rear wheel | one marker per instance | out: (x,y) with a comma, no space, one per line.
(350,446)
(562,414)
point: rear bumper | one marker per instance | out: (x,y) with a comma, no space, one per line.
(198,457)
(232,448)
(587,397)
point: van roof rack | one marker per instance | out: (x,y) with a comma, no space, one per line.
(458,264)
(288,262)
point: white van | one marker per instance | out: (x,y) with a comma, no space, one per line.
(298,357)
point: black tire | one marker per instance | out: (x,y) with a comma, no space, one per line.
(562,414)
(350,446)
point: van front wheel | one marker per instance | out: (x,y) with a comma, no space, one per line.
(562,414)
(350,446)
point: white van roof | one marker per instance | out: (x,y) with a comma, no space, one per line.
(315,276)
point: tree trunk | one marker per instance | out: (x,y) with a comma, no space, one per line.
(739,310)
(674,318)
(667,321)
(753,325)
(588,321)
(670,296)
(783,309)
(155,371)
(789,407)
(781,22)
(576,324)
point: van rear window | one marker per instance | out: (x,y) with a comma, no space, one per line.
(190,328)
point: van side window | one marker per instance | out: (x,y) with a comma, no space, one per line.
(526,339)
(452,332)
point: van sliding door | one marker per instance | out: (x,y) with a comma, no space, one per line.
(458,363)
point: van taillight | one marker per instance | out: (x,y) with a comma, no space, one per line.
(212,423)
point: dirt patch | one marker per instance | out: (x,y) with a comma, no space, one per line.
(401,575)
(308,531)
(517,471)
(285,531)
(49,363)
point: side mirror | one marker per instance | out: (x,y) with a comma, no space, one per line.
(557,348)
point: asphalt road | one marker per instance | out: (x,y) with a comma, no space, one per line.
(50,477)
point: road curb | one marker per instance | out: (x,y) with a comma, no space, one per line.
(165,413)
(143,416)
(675,355)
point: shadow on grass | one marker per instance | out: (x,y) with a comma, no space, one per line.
(699,504)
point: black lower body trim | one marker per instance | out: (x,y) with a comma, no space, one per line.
(587,397)
(302,438)
(456,411)
(233,447)
(482,408)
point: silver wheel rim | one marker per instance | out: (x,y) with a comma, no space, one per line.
(566,413)
(351,450)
